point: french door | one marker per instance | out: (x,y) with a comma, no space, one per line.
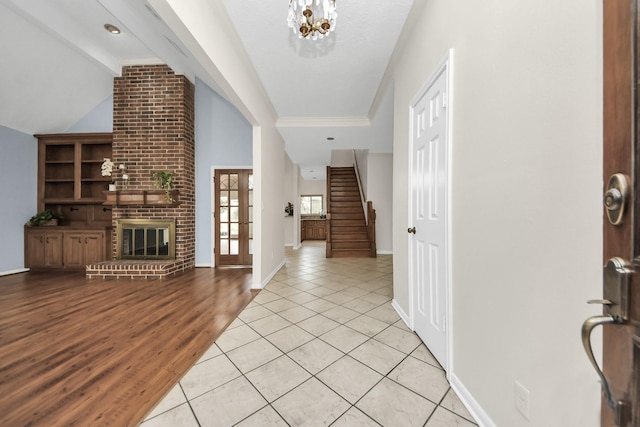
(234,217)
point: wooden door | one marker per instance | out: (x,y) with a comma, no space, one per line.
(234,217)
(429,215)
(621,346)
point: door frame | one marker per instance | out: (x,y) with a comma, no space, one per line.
(212,219)
(444,66)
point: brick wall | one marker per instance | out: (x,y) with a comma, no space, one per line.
(153,129)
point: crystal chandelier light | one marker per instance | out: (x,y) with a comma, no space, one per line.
(313,19)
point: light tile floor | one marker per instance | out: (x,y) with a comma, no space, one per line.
(320,345)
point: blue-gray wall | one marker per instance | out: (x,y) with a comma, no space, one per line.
(100,119)
(18,194)
(223,138)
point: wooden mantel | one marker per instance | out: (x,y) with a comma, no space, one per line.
(141,198)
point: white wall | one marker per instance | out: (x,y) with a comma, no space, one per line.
(269,166)
(341,158)
(223,137)
(291,223)
(526,197)
(18,173)
(379,190)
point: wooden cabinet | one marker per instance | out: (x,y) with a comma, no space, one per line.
(68,248)
(313,229)
(43,248)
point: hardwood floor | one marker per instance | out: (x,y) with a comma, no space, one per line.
(77,351)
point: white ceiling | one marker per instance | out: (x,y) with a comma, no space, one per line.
(58,63)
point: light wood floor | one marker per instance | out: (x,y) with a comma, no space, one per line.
(103,352)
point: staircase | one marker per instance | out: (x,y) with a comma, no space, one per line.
(348,234)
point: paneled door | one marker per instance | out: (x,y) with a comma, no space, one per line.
(428,227)
(234,217)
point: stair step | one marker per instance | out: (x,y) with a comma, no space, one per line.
(350,253)
(345,228)
(350,222)
(346,209)
(350,203)
(348,237)
(348,215)
(351,244)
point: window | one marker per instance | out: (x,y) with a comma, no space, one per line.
(311,204)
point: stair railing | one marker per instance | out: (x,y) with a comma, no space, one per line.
(367,207)
(328,213)
(371,228)
(363,197)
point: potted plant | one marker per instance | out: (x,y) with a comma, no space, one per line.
(44,218)
(163,180)
(289,209)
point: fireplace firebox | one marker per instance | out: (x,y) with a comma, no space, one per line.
(146,239)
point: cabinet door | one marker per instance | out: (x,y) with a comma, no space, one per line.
(320,230)
(34,254)
(73,249)
(93,243)
(53,248)
(311,230)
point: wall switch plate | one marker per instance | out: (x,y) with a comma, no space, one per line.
(521,399)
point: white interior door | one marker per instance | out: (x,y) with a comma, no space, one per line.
(429,216)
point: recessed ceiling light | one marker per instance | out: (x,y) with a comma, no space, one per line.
(330,138)
(112,29)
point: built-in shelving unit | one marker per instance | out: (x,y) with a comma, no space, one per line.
(69,168)
(70,184)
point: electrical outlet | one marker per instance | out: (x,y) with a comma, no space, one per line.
(521,399)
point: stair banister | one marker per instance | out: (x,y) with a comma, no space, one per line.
(363,196)
(328,214)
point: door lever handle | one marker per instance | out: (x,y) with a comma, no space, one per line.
(587,328)
(600,301)
(412,230)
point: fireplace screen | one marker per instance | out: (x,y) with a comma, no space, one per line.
(146,239)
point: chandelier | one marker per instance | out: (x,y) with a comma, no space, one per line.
(313,19)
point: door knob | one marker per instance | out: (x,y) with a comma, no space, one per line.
(412,230)
(615,198)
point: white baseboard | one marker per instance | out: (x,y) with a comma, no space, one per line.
(384,252)
(20,270)
(401,313)
(265,281)
(470,403)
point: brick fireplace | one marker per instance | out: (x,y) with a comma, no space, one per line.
(153,130)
